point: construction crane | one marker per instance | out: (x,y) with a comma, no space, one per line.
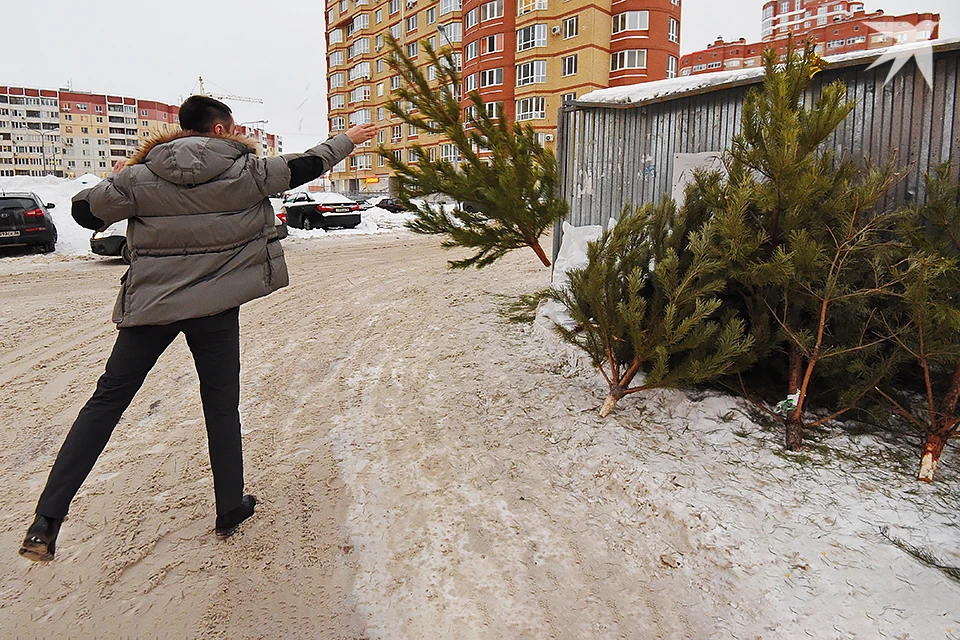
(203,92)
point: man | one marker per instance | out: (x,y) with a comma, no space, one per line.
(202,242)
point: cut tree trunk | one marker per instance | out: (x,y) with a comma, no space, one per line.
(794,438)
(795,375)
(932,450)
(612,398)
(535,245)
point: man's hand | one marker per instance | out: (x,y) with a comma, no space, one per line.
(361,133)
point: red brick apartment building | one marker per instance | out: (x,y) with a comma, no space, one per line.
(838,26)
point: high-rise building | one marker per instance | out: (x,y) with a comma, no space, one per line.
(528,55)
(69,133)
(29,132)
(837,26)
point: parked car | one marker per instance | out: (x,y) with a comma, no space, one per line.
(25,221)
(320,210)
(384,202)
(112,241)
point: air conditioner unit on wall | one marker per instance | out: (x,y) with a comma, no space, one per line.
(548,137)
(555,30)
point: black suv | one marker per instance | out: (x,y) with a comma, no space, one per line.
(25,220)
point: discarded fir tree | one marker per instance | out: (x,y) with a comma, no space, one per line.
(799,230)
(646,302)
(929,328)
(504,181)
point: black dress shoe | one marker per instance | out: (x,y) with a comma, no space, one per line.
(40,545)
(228,523)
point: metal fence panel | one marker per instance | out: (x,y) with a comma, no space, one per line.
(615,155)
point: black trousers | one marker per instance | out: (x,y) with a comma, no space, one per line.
(215,344)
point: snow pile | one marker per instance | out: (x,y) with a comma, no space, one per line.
(72,239)
(572,255)
(636,94)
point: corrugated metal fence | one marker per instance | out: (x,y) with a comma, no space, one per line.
(611,155)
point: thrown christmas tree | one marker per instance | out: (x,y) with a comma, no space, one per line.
(929,335)
(504,181)
(646,302)
(800,231)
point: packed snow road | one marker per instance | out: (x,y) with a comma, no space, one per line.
(424,471)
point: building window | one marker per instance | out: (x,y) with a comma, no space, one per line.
(431,15)
(531,109)
(533,36)
(714,65)
(452,31)
(412,50)
(492,44)
(336,58)
(569,65)
(335,36)
(360,46)
(396,31)
(394,6)
(337,123)
(568,97)
(360,94)
(412,23)
(531,72)
(380,113)
(380,64)
(449,6)
(337,101)
(449,153)
(361,116)
(471,19)
(491,10)
(630,59)
(631,21)
(571,27)
(526,6)
(470,83)
(672,67)
(491,77)
(472,50)
(674,32)
(358,71)
(394,82)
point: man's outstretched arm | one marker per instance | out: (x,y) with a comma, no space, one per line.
(292,170)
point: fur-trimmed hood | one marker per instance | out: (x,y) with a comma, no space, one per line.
(189,158)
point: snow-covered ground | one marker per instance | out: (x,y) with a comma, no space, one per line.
(74,240)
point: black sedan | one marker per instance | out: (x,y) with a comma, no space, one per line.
(25,221)
(320,211)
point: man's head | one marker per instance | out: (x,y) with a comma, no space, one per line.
(206,115)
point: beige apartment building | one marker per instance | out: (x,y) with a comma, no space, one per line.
(527,55)
(71,133)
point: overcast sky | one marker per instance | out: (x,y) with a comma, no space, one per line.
(273,50)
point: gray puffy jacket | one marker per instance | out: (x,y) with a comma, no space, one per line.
(201,228)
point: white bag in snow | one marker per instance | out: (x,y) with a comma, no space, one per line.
(572,255)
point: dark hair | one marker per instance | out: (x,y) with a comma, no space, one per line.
(203,113)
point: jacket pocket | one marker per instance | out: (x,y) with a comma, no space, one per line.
(277,275)
(120,305)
